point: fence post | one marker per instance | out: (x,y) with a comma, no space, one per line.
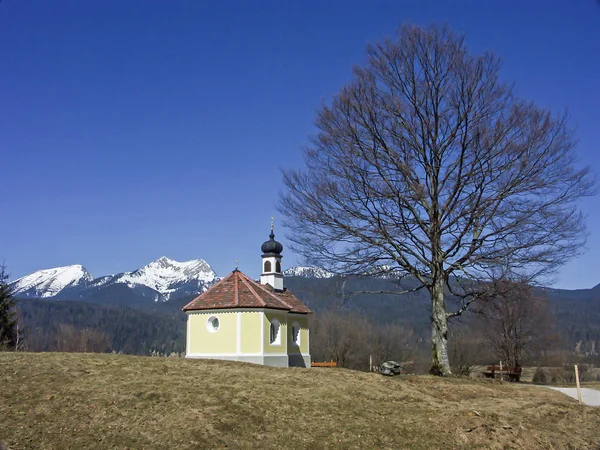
(370,363)
(578,385)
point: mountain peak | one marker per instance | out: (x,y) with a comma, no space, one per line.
(307,272)
(163,261)
(165,274)
(49,282)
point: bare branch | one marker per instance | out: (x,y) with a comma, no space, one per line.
(428,164)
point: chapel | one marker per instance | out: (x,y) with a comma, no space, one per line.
(240,319)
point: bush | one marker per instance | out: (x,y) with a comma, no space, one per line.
(540,377)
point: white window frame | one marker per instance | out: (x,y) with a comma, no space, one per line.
(210,324)
(296,331)
(275,325)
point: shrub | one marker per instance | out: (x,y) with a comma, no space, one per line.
(540,377)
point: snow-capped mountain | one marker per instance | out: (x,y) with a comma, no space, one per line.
(50,282)
(383,272)
(160,280)
(307,272)
(167,277)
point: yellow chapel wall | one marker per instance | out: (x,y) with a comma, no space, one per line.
(282,318)
(303,321)
(202,341)
(251,326)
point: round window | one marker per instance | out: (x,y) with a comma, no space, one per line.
(212,324)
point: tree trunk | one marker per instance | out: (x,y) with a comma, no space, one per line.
(439,331)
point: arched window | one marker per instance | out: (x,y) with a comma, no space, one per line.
(278,267)
(274,332)
(296,333)
(267,266)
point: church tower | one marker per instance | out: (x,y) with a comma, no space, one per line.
(271,262)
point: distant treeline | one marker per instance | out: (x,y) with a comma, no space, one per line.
(575,315)
(77,326)
(346,328)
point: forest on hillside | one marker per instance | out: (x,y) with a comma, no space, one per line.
(74,326)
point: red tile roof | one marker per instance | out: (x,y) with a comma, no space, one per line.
(237,290)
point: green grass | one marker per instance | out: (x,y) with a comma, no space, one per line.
(61,400)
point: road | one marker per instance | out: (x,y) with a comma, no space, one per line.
(590,397)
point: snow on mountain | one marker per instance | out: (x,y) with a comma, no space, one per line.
(159,280)
(307,272)
(49,282)
(166,276)
(384,272)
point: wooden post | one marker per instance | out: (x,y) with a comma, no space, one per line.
(578,385)
(501,375)
(370,363)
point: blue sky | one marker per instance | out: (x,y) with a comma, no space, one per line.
(135,129)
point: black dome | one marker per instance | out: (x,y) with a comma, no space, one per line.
(272,246)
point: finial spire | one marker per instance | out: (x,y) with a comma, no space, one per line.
(236,264)
(272,235)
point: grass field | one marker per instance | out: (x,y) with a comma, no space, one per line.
(79,401)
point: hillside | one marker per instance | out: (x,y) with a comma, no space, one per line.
(60,400)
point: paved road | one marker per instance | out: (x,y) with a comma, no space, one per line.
(590,397)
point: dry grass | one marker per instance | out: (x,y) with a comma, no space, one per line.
(591,385)
(79,401)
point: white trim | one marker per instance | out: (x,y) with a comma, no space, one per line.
(275,331)
(296,325)
(239,332)
(275,360)
(308,337)
(213,311)
(262,332)
(187,338)
(234,310)
(210,324)
(216,355)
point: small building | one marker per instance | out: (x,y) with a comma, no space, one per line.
(239,319)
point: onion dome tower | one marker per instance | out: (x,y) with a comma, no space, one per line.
(271,262)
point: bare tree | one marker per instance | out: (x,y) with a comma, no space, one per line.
(350,339)
(516,323)
(426,165)
(465,349)
(392,342)
(68,338)
(341,338)
(20,343)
